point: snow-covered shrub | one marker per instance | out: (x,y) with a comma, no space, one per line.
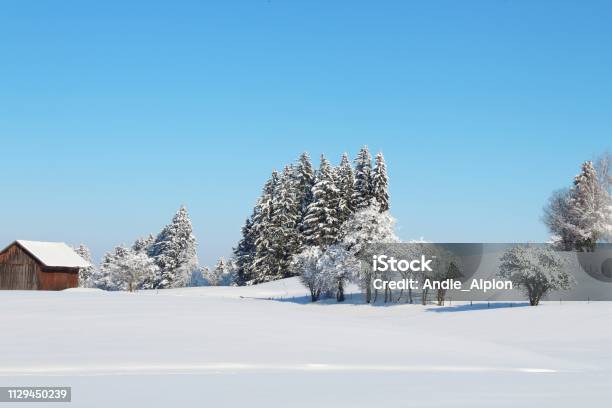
(307,265)
(338,266)
(536,270)
(366,227)
(124,269)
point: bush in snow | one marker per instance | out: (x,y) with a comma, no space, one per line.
(337,267)
(536,270)
(366,227)
(306,265)
(125,269)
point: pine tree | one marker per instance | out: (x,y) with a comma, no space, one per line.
(304,182)
(263,262)
(143,244)
(216,276)
(244,253)
(587,207)
(380,183)
(285,224)
(363,179)
(111,276)
(87,274)
(174,252)
(345,181)
(580,216)
(322,221)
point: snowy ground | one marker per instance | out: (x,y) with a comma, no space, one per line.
(236,347)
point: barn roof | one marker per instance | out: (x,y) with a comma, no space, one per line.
(54,254)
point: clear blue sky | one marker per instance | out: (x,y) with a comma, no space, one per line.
(114,113)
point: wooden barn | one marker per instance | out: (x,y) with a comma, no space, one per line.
(35,265)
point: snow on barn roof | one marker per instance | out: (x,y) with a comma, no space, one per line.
(54,254)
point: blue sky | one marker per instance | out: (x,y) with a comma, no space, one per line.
(113,114)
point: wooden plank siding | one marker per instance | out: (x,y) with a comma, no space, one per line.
(58,279)
(21,271)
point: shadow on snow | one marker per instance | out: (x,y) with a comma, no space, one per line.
(476,306)
(358,299)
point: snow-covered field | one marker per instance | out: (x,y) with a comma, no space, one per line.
(239,347)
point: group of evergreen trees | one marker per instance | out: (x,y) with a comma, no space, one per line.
(301,207)
(155,262)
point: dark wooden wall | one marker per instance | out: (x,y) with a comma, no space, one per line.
(58,279)
(20,271)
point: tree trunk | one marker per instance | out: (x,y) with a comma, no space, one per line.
(340,292)
(441,296)
(400,295)
(314,295)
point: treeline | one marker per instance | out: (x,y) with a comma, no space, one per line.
(300,208)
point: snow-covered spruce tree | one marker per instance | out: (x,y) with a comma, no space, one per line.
(143,244)
(231,273)
(588,207)
(536,270)
(362,194)
(577,218)
(223,274)
(322,221)
(285,225)
(380,183)
(306,265)
(366,227)
(109,278)
(338,266)
(174,252)
(264,262)
(345,181)
(304,177)
(244,253)
(87,275)
(216,275)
